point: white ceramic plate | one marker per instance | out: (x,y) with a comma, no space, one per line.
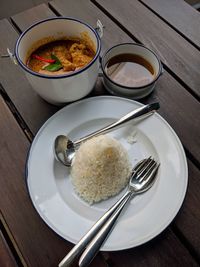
(147,215)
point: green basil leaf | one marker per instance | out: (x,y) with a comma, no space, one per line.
(53,67)
(57,61)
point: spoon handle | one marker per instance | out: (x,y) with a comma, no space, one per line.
(140,112)
(86,239)
(96,243)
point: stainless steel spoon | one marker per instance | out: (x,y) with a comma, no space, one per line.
(64,148)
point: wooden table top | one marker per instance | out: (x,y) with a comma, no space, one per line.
(170,28)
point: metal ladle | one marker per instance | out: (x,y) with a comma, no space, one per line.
(64,148)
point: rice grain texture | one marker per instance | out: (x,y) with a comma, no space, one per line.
(100,169)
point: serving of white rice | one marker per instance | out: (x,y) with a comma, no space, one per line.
(100,169)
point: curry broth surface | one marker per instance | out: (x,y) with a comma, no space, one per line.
(73,53)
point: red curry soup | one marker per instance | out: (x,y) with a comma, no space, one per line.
(59,57)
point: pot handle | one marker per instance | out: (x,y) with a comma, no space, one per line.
(11,56)
(100,72)
(162,70)
(99,28)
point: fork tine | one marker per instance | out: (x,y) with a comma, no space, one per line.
(149,179)
(148,170)
(139,166)
(145,168)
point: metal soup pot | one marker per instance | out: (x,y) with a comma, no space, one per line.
(59,89)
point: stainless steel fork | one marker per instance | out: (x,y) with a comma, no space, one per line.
(141,179)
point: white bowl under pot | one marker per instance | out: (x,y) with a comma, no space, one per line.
(127,91)
(59,89)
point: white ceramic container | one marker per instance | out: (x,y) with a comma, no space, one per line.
(131,48)
(59,89)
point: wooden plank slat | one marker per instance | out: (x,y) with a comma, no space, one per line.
(188,220)
(192,2)
(181,57)
(9,8)
(180,15)
(6,258)
(26,18)
(32,108)
(178,107)
(153,254)
(39,245)
(178,110)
